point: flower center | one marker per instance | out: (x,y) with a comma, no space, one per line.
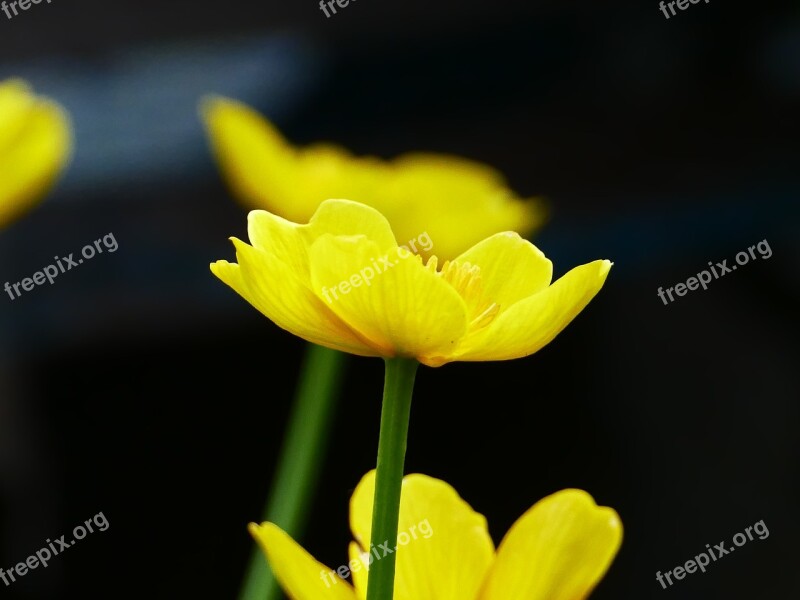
(466,280)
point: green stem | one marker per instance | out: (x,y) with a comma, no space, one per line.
(397,391)
(300,461)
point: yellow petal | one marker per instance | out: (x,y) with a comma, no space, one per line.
(359,575)
(265,171)
(345,217)
(391,300)
(35,142)
(328,171)
(447,549)
(300,575)
(289,242)
(16,102)
(458,202)
(558,550)
(530,324)
(277,290)
(282,239)
(274,274)
(251,152)
(511,268)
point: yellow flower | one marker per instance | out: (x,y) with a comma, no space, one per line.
(558,550)
(341,281)
(35,142)
(460,202)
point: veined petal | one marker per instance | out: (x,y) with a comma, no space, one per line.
(289,241)
(558,550)
(278,237)
(511,268)
(35,147)
(447,549)
(391,300)
(345,217)
(301,576)
(281,294)
(532,323)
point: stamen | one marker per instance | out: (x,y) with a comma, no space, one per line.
(466,280)
(486,317)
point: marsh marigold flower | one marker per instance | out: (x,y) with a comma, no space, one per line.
(341,281)
(35,142)
(558,550)
(458,201)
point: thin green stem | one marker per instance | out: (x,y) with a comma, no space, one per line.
(395,414)
(300,462)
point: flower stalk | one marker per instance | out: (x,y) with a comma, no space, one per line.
(395,415)
(300,461)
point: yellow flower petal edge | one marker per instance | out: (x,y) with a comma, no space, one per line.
(35,144)
(343,282)
(302,577)
(443,549)
(274,275)
(533,322)
(558,550)
(290,305)
(457,201)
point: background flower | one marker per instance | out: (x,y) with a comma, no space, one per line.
(35,141)
(457,201)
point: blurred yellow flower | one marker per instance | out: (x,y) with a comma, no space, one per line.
(341,281)
(35,143)
(459,202)
(558,550)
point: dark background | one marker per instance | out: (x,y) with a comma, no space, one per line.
(140,386)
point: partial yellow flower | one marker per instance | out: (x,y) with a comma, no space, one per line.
(35,143)
(459,202)
(341,281)
(558,550)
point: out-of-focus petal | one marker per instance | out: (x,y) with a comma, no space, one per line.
(35,144)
